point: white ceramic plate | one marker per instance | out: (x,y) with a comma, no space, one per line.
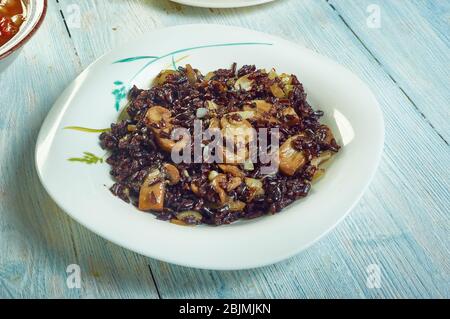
(221,3)
(92,101)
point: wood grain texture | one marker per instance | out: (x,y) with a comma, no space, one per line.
(412,50)
(37,240)
(401,224)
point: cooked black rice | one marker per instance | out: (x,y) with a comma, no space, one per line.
(135,152)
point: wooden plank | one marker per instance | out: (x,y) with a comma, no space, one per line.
(390,227)
(37,240)
(413,46)
(34,242)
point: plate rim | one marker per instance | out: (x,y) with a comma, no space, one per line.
(194,3)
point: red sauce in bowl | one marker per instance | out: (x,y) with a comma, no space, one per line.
(12,15)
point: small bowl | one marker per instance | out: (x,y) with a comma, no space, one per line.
(36,10)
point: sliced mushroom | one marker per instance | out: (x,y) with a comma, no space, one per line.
(231,169)
(328,134)
(322,158)
(291,116)
(239,155)
(318,175)
(191,74)
(158,115)
(209,76)
(172,173)
(161,78)
(290,160)
(158,118)
(131,128)
(235,128)
(233,183)
(194,188)
(262,109)
(190,217)
(151,197)
(243,83)
(178,222)
(217,183)
(261,106)
(247,114)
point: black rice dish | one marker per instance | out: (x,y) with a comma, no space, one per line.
(140,144)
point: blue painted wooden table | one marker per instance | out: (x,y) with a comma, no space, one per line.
(401,227)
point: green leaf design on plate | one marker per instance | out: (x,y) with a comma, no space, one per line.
(87,129)
(135,58)
(88,158)
(119,93)
(174,64)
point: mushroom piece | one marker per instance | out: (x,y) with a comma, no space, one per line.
(209,76)
(217,183)
(260,106)
(322,158)
(151,194)
(238,132)
(290,160)
(243,83)
(191,74)
(246,114)
(237,128)
(231,169)
(318,175)
(194,188)
(171,173)
(328,134)
(291,116)
(189,217)
(233,183)
(262,109)
(238,155)
(158,118)
(162,77)
(165,143)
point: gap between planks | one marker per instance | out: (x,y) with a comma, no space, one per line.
(386,72)
(359,39)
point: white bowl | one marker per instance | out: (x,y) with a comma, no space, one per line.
(221,3)
(36,10)
(92,100)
